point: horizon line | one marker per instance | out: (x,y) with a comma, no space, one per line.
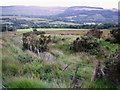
(56,6)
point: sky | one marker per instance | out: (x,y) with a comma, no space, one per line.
(108,4)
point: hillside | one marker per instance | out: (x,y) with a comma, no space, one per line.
(31,10)
(55,68)
(75,14)
(90,14)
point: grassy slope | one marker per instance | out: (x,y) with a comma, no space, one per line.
(15,72)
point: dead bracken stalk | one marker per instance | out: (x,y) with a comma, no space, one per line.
(75,74)
(66,67)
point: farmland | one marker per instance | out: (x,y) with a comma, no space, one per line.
(66,31)
(59,46)
(54,68)
(37,21)
(21,22)
(51,29)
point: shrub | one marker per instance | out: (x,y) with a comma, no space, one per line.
(39,32)
(109,39)
(86,44)
(112,66)
(116,34)
(27,83)
(27,34)
(95,32)
(36,42)
(34,29)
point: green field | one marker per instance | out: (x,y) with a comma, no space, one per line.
(50,29)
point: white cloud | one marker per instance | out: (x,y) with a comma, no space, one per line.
(95,3)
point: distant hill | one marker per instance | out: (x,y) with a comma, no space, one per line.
(31,10)
(84,7)
(77,14)
(90,14)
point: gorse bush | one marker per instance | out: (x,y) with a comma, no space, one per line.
(39,32)
(27,83)
(95,33)
(116,34)
(86,44)
(112,66)
(35,41)
(34,29)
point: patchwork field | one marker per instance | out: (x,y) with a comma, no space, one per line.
(50,29)
(65,31)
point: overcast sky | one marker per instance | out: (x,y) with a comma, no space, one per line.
(95,3)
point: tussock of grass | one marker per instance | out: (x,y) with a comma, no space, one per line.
(27,83)
(101,83)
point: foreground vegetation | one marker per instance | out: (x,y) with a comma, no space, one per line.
(54,68)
